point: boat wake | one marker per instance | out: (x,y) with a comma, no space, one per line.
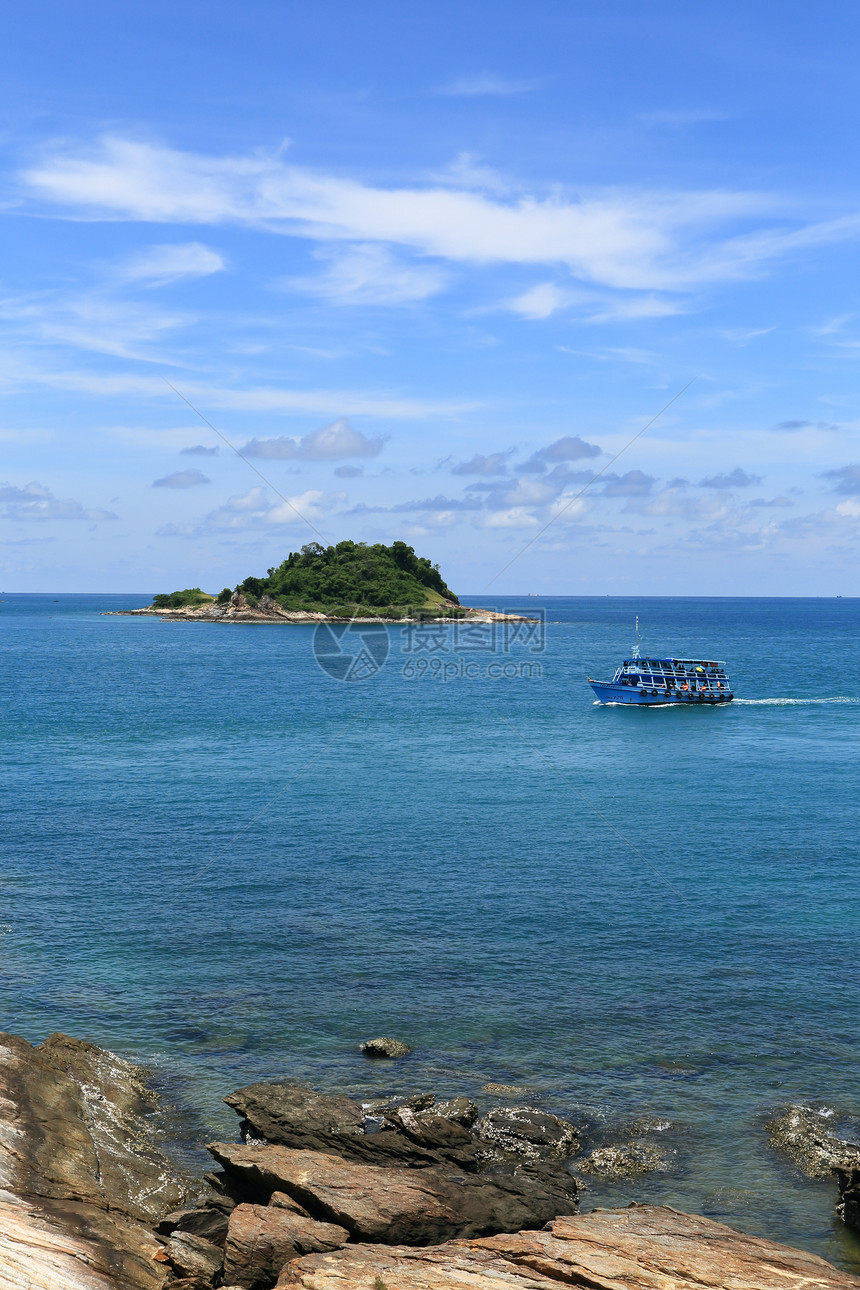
(784,703)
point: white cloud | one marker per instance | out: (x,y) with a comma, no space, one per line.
(369,274)
(257,509)
(159,265)
(92,321)
(515,517)
(36,502)
(632,240)
(540,301)
(182,479)
(332,443)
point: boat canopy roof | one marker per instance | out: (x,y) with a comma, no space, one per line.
(676,662)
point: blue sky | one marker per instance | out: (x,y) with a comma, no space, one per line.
(430,266)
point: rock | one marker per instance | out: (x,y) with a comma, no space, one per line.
(385,1047)
(623,1160)
(294,1115)
(291,1115)
(281,1200)
(263,1238)
(192,1256)
(848,1208)
(803,1134)
(210,1222)
(389,1205)
(80,1168)
(641,1248)
(462,1110)
(528,1133)
(428,1129)
(505,1090)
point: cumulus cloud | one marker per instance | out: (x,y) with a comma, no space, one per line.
(369,274)
(331,443)
(159,265)
(736,479)
(635,483)
(182,479)
(36,502)
(569,448)
(256,509)
(494,463)
(635,240)
(846,479)
(198,450)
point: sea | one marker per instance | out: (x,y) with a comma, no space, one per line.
(235,852)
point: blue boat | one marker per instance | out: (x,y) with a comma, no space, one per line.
(657,682)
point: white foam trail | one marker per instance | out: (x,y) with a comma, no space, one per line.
(786,702)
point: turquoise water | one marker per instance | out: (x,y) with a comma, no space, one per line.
(222,860)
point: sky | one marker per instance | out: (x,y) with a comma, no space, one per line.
(275,273)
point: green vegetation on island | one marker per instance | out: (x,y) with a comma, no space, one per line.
(347,580)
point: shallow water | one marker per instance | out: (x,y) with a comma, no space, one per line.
(222,860)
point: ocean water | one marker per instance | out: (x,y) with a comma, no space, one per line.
(224,861)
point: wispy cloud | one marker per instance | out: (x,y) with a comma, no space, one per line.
(635,240)
(846,479)
(331,443)
(159,265)
(369,274)
(182,479)
(199,450)
(486,84)
(736,478)
(494,463)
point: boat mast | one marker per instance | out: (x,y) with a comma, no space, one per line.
(638,638)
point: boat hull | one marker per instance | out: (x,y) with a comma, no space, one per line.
(629,695)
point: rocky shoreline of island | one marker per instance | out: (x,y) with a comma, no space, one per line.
(239,609)
(325,1192)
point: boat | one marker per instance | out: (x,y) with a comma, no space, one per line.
(658,682)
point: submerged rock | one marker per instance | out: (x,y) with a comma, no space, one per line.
(385,1047)
(641,1248)
(623,1160)
(804,1135)
(389,1205)
(528,1133)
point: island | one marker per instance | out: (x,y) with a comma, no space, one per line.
(348,582)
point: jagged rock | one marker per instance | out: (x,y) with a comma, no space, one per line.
(294,1115)
(848,1208)
(389,1205)
(803,1134)
(428,1129)
(262,1238)
(80,1167)
(291,1115)
(209,1221)
(641,1248)
(623,1160)
(192,1256)
(528,1133)
(462,1110)
(385,1047)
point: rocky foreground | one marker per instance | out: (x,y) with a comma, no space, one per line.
(238,609)
(326,1193)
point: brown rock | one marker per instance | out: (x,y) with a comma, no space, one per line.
(642,1248)
(192,1256)
(81,1168)
(385,1047)
(263,1238)
(389,1205)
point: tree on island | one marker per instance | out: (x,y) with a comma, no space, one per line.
(351,576)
